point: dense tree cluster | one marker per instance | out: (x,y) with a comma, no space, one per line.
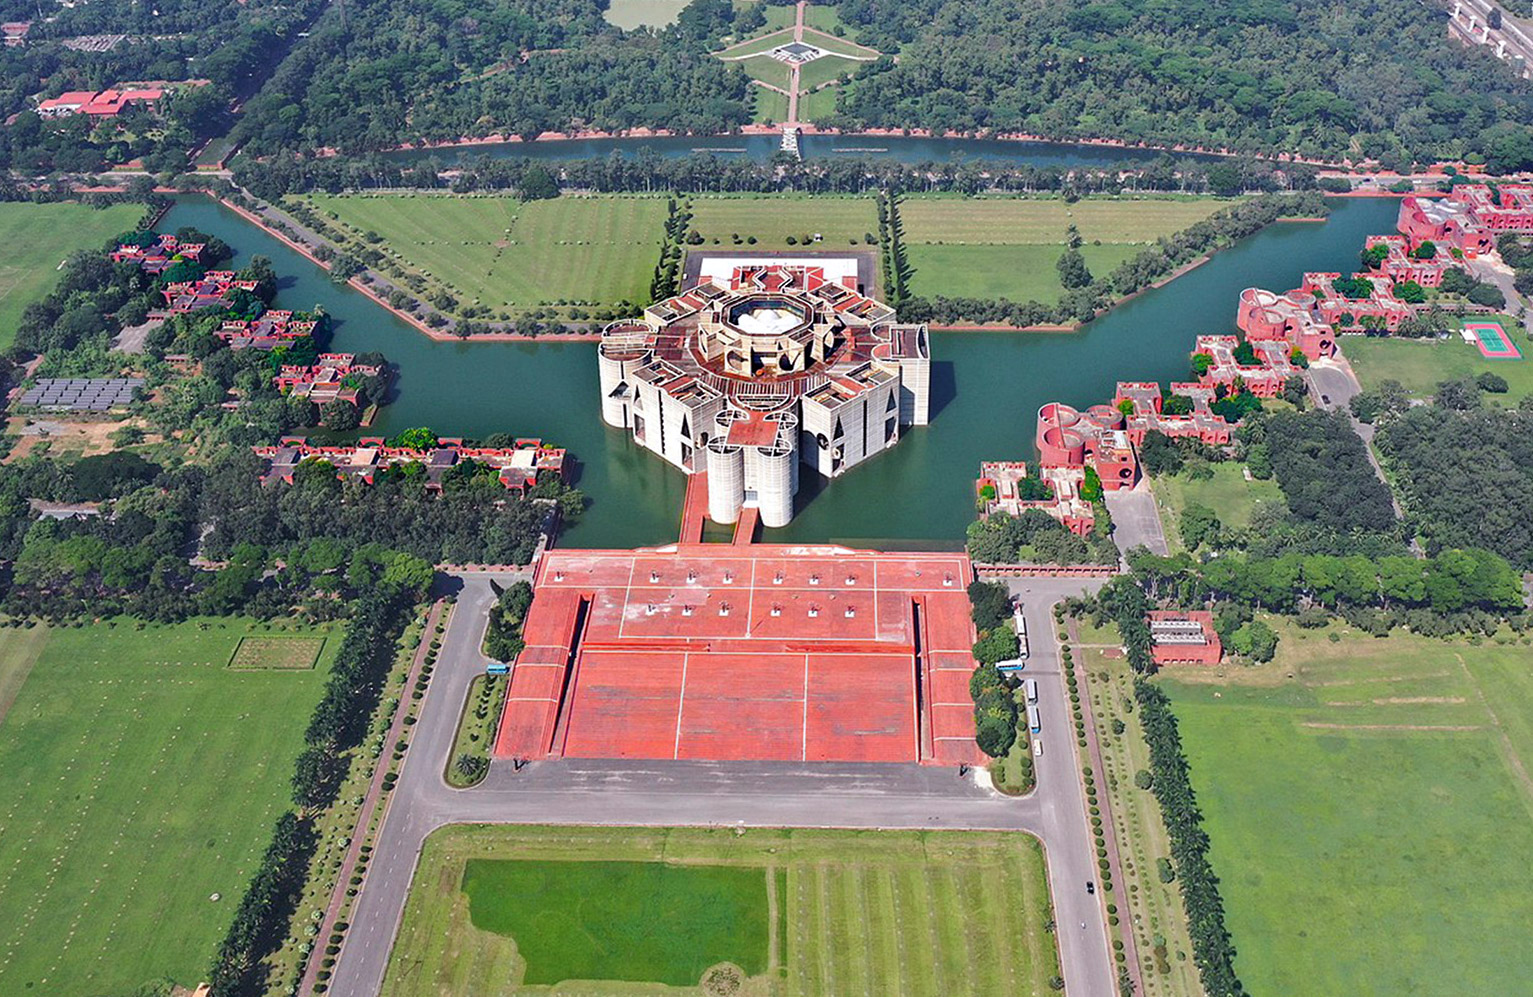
(1323,78)
(648,172)
(261,920)
(1324,470)
(503,634)
(1465,477)
(472,520)
(385,72)
(233,45)
(1034,537)
(995,703)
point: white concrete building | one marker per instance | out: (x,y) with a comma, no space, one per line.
(749,375)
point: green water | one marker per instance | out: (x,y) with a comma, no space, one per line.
(987,387)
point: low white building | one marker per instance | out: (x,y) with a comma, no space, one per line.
(746,376)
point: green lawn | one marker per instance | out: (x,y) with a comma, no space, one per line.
(771,107)
(511,255)
(1006,247)
(1368,825)
(819,104)
(633,921)
(771,219)
(1421,364)
(37,238)
(1228,493)
(884,913)
(1017,220)
(824,69)
(139,775)
(771,38)
(1017,273)
(767,70)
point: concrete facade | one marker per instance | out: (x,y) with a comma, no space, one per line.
(749,376)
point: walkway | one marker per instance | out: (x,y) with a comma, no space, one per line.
(694,508)
(754,794)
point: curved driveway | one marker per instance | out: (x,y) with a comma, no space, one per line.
(752,794)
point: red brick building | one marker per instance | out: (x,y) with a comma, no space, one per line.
(1184,638)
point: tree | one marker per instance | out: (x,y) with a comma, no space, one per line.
(1073,272)
(419,438)
(1199,525)
(1159,454)
(1224,179)
(1410,292)
(317,776)
(340,415)
(538,184)
(1461,394)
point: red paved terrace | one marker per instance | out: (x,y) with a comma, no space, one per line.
(762,652)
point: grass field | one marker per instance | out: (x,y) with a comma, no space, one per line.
(771,219)
(596,920)
(1014,220)
(1017,273)
(770,106)
(824,69)
(277,652)
(37,238)
(768,70)
(1007,247)
(1154,909)
(139,775)
(1421,364)
(510,255)
(1370,811)
(883,913)
(1228,493)
(476,725)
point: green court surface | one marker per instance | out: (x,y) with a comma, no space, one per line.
(1370,812)
(37,238)
(506,254)
(501,910)
(139,779)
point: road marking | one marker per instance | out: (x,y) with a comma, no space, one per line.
(681,699)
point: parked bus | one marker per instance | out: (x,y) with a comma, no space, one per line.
(1034,719)
(1031,685)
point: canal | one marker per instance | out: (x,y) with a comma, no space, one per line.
(987,387)
(907,149)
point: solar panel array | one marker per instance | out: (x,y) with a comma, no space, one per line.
(81,394)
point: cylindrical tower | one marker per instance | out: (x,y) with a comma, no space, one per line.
(726,481)
(774,468)
(622,343)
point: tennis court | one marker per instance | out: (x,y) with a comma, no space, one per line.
(1493,340)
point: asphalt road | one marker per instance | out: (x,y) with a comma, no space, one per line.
(752,794)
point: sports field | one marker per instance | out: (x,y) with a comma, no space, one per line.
(37,238)
(506,254)
(501,910)
(1007,247)
(772,218)
(1419,364)
(139,775)
(1371,812)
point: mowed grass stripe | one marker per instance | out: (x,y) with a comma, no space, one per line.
(855,925)
(1017,220)
(138,776)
